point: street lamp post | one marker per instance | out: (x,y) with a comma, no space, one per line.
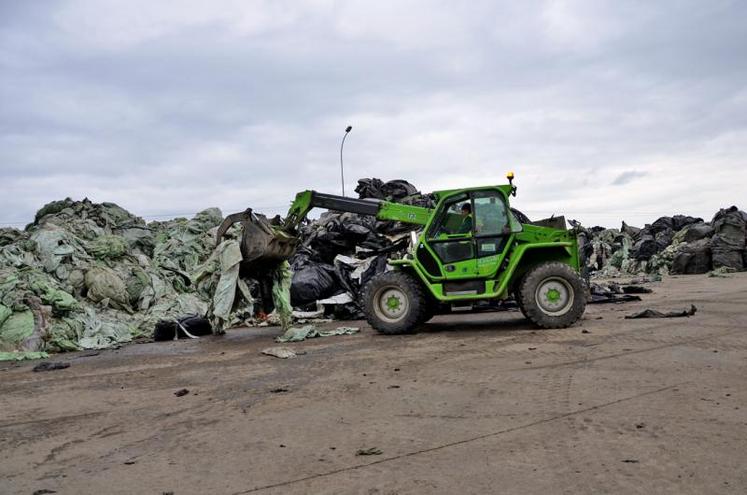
(342,170)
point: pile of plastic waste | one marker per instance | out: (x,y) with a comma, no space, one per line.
(90,276)
(671,245)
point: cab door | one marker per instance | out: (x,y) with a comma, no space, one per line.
(471,234)
(492,230)
(451,238)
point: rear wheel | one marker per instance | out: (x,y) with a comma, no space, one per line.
(552,295)
(394,302)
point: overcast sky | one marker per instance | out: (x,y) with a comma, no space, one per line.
(604,110)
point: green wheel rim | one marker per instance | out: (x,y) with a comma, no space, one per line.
(391,304)
(554,296)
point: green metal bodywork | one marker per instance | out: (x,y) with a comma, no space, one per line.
(526,246)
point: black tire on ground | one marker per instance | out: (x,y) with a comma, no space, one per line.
(518,299)
(553,295)
(430,310)
(520,303)
(394,302)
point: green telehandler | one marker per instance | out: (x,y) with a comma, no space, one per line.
(467,251)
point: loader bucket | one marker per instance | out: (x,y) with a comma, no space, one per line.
(261,242)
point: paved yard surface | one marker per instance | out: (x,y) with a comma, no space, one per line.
(471,404)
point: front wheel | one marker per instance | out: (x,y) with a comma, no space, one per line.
(394,302)
(552,295)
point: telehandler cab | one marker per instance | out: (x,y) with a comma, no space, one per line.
(468,251)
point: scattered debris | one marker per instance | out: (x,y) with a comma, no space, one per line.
(279,352)
(181,392)
(22,355)
(612,293)
(87,354)
(636,289)
(369,451)
(652,313)
(631,461)
(279,390)
(297,334)
(51,366)
(44,491)
(722,272)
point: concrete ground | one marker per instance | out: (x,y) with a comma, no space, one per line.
(471,404)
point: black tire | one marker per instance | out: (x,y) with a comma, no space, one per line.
(429,312)
(518,298)
(520,303)
(385,290)
(553,295)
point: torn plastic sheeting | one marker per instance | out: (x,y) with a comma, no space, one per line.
(17,327)
(279,352)
(104,284)
(679,244)
(22,355)
(354,273)
(281,293)
(225,293)
(313,282)
(297,334)
(611,293)
(109,247)
(376,188)
(694,257)
(185,327)
(307,315)
(101,330)
(723,272)
(653,313)
(86,273)
(343,298)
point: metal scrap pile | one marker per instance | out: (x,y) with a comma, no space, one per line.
(671,245)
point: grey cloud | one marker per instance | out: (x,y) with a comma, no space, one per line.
(627,177)
(175,107)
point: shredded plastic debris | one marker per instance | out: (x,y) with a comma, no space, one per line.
(653,313)
(51,366)
(279,352)
(297,334)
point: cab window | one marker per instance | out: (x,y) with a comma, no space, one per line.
(457,219)
(491,218)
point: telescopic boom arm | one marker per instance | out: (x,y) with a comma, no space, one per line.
(383,210)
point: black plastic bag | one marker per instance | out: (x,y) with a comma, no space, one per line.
(194,324)
(313,282)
